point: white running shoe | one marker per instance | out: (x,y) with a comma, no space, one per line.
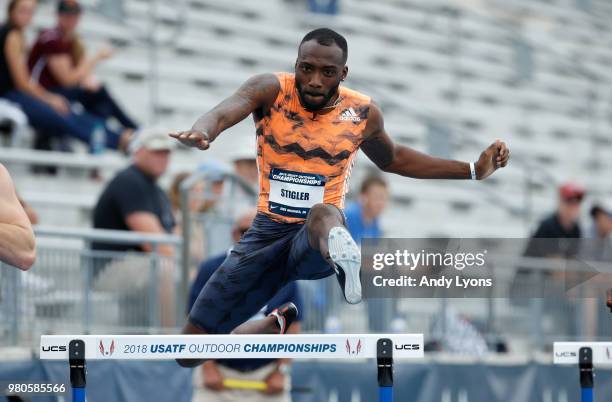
(346,256)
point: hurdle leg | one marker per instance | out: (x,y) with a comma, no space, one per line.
(76,360)
(384,357)
(585,357)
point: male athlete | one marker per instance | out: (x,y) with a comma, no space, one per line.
(308,132)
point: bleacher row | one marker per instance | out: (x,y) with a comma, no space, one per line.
(530,72)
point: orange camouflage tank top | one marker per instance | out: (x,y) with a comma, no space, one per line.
(305,159)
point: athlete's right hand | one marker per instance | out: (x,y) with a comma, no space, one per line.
(213,379)
(192,138)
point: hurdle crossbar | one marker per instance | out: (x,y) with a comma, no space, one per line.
(162,347)
(569,352)
(79,348)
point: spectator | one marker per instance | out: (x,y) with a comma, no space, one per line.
(133,201)
(562,224)
(57,61)
(362,220)
(12,121)
(602,223)
(17,245)
(212,190)
(362,216)
(557,238)
(245,165)
(197,248)
(195,194)
(50,114)
(209,381)
(597,247)
(456,334)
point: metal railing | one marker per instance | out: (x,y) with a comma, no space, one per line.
(75,287)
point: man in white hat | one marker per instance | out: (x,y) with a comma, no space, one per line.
(133,201)
(245,164)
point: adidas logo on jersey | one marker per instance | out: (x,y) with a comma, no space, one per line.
(349,115)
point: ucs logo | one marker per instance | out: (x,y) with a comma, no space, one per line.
(353,350)
(565,354)
(415,346)
(54,348)
(107,351)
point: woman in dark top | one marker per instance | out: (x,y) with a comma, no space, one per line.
(48,113)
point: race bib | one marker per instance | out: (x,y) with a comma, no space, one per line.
(292,194)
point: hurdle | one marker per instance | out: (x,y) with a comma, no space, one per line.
(585,355)
(77,349)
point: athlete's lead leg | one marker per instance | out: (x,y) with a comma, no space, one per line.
(328,234)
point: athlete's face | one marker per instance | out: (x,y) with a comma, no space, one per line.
(318,72)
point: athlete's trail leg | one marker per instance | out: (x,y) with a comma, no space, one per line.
(276,322)
(268,325)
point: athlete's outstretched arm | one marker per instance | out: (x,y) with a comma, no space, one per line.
(258,92)
(405,161)
(17,246)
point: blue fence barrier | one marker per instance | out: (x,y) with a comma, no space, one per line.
(338,381)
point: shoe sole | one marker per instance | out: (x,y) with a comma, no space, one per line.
(346,256)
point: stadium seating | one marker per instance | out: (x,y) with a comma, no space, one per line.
(444,61)
(532,72)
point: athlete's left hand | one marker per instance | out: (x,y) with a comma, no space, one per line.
(275,383)
(494,157)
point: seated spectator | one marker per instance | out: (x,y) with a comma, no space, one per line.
(561,224)
(598,247)
(212,190)
(245,165)
(602,223)
(197,249)
(13,121)
(133,201)
(557,237)
(209,380)
(58,62)
(50,114)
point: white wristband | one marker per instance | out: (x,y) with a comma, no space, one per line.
(473,170)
